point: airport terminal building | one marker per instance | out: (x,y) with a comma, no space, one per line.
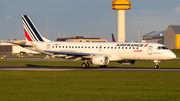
(169,37)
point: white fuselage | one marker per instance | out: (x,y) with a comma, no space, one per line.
(116,51)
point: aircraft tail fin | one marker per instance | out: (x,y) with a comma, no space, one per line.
(113,39)
(31,32)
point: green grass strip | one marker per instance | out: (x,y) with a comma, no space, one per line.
(88,86)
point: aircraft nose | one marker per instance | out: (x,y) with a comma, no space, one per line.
(172,55)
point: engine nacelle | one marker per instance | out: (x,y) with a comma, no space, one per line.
(100,60)
(127,62)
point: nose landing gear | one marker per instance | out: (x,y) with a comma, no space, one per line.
(156,66)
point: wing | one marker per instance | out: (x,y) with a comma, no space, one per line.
(69,53)
(76,55)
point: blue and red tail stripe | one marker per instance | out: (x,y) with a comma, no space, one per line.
(31,32)
(27,36)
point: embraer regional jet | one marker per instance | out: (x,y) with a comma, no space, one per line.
(97,53)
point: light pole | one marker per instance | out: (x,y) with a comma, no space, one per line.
(47,25)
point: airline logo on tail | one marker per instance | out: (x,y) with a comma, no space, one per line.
(31,32)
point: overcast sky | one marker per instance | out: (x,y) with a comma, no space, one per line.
(75,17)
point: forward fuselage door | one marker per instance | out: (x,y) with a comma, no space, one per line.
(48,46)
(150,49)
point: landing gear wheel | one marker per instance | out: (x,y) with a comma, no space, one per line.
(85,65)
(156,66)
(105,66)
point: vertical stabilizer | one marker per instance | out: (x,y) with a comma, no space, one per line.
(113,39)
(31,32)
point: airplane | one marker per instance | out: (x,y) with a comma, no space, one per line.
(97,53)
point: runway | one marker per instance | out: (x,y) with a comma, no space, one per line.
(87,69)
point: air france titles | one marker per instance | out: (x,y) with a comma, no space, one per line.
(131,45)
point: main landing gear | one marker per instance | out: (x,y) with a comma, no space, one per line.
(85,65)
(156,66)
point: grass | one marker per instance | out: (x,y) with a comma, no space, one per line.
(88,86)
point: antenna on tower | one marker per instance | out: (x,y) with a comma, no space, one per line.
(138,34)
(89,34)
(61,34)
(47,25)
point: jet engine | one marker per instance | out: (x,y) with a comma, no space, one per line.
(100,60)
(127,62)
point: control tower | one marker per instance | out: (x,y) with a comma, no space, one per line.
(121,6)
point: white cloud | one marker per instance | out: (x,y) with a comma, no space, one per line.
(177,9)
(8,17)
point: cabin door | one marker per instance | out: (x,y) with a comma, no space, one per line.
(150,48)
(48,47)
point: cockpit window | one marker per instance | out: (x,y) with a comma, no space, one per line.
(162,47)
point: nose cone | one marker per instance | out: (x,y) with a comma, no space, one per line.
(172,56)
